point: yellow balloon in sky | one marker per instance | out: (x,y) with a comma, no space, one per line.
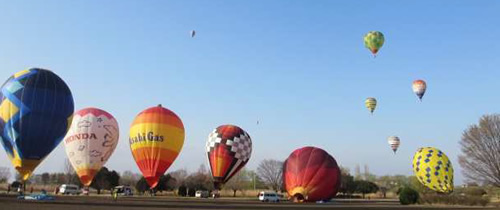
(371,103)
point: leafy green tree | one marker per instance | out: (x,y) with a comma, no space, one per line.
(105,179)
(347,183)
(365,187)
(182,191)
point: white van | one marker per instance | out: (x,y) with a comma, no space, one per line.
(201,194)
(67,189)
(269,197)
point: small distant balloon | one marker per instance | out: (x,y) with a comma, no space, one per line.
(374,41)
(394,142)
(192,33)
(371,104)
(419,87)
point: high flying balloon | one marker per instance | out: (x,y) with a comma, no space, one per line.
(35,113)
(433,169)
(394,142)
(311,174)
(91,140)
(156,139)
(419,87)
(192,33)
(228,149)
(371,104)
(374,40)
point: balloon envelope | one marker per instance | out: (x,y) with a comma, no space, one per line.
(156,139)
(394,142)
(91,140)
(228,149)
(419,87)
(192,33)
(311,174)
(433,169)
(35,112)
(374,41)
(371,104)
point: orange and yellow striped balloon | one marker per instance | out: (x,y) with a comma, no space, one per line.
(156,139)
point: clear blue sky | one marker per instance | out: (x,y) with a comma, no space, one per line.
(299,67)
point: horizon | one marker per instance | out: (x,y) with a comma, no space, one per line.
(298,69)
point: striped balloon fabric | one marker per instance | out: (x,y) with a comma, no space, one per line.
(394,142)
(228,148)
(311,174)
(36,108)
(156,139)
(371,104)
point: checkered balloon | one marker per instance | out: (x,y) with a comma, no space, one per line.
(228,149)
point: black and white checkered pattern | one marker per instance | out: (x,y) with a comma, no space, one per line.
(213,138)
(240,145)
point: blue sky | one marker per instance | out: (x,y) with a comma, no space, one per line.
(298,67)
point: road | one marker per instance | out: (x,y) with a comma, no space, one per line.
(144,203)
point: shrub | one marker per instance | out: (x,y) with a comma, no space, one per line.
(408,196)
(455,199)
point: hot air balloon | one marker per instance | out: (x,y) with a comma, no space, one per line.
(192,33)
(156,139)
(374,41)
(394,142)
(419,87)
(91,140)
(371,103)
(228,149)
(433,169)
(35,113)
(311,174)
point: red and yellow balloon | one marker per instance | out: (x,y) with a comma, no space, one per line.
(156,139)
(228,150)
(311,174)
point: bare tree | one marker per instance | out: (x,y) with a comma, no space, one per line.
(4,174)
(128,178)
(238,182)
(271,171)
(179,176)
(480,157)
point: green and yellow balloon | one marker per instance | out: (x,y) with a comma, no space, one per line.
(374,41)
(433,169)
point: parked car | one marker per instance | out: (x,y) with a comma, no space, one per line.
(201,194)
(124,190)
(69,189)
(269,197)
